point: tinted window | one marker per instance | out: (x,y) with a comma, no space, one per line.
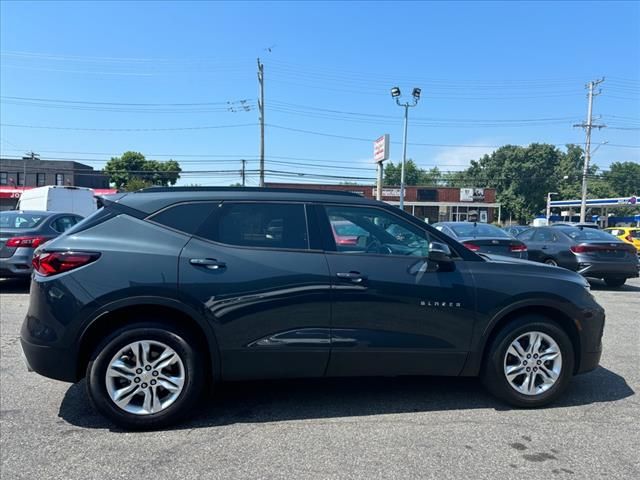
(371,230)
(20,220)
(63,224)
(477,230)
(587,234)
(545,235)
(270,225)
(635,233)
(526,235)
(186,217)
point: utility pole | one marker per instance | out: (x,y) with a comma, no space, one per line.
(588,125)
(243,172)
(261,118)
(549,205)
(29,156)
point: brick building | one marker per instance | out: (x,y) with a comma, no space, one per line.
(432,204)
(17,174)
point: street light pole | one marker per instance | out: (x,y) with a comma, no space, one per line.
(549,205)
(395,93)
(404,154)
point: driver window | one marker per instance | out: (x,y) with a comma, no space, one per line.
(375,231)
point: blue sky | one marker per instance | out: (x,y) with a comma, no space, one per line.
(491,73)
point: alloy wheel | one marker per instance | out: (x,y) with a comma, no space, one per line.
(145,377)
(533,363)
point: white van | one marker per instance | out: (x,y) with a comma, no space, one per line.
(78,200)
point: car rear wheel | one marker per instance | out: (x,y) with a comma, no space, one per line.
(614,282)
(551,261)
(529,363)
(145,376)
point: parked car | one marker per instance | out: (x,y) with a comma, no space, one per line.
(57,198)
(21,232)
(576,225)
(167,290)
(346,233)
(629,235)
(515,230)
(592,253)
(484,238)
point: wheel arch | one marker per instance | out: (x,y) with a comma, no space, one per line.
(169,311)
(556,315)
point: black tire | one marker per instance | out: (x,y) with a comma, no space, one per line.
(614,282)
(493,376)
(551,261)
(180,342)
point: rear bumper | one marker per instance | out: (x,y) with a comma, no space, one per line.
(17,265)
(589,361)
(598,269)
(50,362)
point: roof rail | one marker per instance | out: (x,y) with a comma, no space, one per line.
(246,189)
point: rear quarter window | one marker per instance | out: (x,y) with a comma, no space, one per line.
(186,217)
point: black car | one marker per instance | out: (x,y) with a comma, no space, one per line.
(21,232)
(590,252)
(167,290)
(484,238)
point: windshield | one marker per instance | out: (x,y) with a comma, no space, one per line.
(588,234)
(20,219)
(477,230)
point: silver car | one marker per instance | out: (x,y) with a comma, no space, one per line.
(21,232)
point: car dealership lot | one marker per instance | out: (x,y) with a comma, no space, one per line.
(354,428)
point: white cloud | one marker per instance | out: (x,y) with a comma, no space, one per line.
(458,158)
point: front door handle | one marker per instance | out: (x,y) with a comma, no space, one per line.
(354,277)
(210,263)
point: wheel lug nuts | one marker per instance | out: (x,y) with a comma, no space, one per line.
(147,368)
(144,385)
(155,373)
(539,362)
(137,379)
(529,356)
(138,370)
(535,355)
(524,363)
(535,369)
(528,370)
(153,382)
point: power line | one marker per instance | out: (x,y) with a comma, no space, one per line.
(167,129)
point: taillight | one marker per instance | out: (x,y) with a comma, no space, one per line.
(52,263)
(30,242)
(584,248)
(518,248)
(472,246)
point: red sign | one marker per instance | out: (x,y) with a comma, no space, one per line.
(17,192)
(381,148)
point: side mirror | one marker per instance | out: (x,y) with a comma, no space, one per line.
(439,252)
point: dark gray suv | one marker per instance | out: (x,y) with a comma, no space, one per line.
(166,290)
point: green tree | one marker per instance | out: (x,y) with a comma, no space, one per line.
(132,166)
(624,178)
(413,175)
(136,184)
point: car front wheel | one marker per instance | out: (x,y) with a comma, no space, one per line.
(529,363)
(145,376)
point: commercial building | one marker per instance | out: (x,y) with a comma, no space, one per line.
(18,174)
(432,204)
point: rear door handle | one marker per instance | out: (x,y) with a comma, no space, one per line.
(210,263)
(354,277)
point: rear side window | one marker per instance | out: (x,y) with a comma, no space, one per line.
(526,235)
(63,224)
(635,233)
(186,217)
(275,225)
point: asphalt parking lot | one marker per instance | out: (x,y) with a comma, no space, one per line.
(357,428)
